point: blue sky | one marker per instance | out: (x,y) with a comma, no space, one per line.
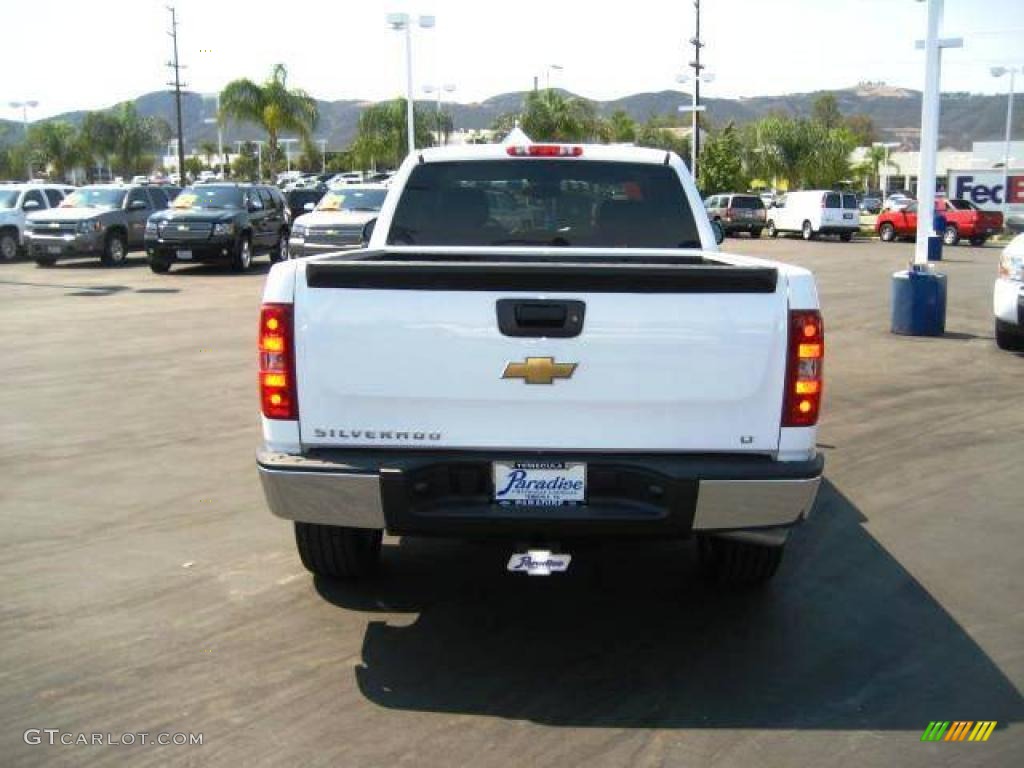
(343,49)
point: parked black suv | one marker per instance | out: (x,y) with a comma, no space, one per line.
(219,223)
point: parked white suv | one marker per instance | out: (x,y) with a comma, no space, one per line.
(815,212)
(16,202)
(1008,297)
(541,343)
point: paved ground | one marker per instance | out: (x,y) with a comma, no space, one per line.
(146,587)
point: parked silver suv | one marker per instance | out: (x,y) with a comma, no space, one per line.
(104,220)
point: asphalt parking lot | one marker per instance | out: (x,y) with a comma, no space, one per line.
(147,588)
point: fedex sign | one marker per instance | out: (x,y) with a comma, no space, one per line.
(985,188)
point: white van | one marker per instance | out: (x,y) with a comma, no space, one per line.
(815,212)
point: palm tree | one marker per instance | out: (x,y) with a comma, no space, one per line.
(273,106)
(56,144)
(550,116)
(209,149)
(98,138)
(876,157)
(381,134)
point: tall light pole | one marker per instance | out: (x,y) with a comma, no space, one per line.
(932,46)
(707,77)
(446,88)
(287,151)
(323,155)
(178,85)
(697,44)
(220,134)
(24,107)
(885,163)
(402,22)
(999,72)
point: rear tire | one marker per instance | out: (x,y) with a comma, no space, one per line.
(738,563)
(160,266)
(951,235)
(114,250)
(772,231)
(807,231)
(337,552)
(1009,337)
(978,241)
(755,233)
(45,262)
(887,233)
(846,237)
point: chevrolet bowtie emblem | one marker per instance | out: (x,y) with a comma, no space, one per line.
(539,370)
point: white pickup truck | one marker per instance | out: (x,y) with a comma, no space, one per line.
(542,343)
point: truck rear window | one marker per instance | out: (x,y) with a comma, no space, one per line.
(544,203)
(754,203)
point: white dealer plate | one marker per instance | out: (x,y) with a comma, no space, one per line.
(53,249)
(539,562)
(185,255)
(540,483)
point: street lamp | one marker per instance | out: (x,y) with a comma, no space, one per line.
(24,107)
(402,22)
(705,77)
(287,151)
(1012,72)
(885,163)
(446,88)
(323,155)
(220,135)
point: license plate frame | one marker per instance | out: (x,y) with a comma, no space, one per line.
(53,249)
(848,216)
(183,255)
(539,483)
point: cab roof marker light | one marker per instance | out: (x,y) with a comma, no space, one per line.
(545,150)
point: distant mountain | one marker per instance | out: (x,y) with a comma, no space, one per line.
(896,113)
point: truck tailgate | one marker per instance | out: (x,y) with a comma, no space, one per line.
(691,360)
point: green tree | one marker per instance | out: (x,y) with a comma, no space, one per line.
(863,129)
(381,136)
(658,133)
(825,110)
(621,127)
(246,163)
(136,137)
(828,163)
(55,145)
(209,150)
(550,116)
(273,106)
(778,148)
(98,138)
(193,167)
(721,163)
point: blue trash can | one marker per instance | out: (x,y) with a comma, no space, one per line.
(918,303)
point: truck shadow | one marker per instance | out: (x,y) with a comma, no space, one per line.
(844,638)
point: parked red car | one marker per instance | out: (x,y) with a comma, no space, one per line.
(963,219)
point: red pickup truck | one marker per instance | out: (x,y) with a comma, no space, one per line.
(963,219)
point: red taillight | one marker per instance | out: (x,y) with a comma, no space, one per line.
(805,369)
(277,363)
(545,150)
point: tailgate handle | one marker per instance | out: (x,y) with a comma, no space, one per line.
(540,318)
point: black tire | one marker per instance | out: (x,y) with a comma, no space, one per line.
(755,233)
(977,241)
(772,231)
(160,266)
(846,237)
(242,259)
(887,233)
(738,563)
(8,245)
(951,235)
(341,553)
(45,261)
(280,252)
(115,250)
(1009,337)
(807,231)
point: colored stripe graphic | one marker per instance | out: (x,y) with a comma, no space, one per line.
(959,730)
(982,730)
(935,731)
